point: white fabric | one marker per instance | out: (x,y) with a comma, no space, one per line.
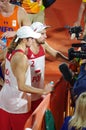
(28,129)
(12,99)
(37,63)
(38,27)
(26,32)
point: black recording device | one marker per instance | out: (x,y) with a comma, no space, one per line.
(78,54)
(75,29)
(72,53)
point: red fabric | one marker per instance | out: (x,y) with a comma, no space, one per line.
(34,104)
(10,121)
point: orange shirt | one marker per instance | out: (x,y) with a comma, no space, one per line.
(9,23)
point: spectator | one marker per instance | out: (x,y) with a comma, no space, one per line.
(78,120)
(35,10)
(11,18)
(36,57)
(15,101)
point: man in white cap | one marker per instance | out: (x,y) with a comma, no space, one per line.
(11,18)
(15,100)
(36,57)
(41,28)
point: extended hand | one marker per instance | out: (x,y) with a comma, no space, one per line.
(9,34)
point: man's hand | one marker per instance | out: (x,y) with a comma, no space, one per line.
(9,34)
(77,23)
(48,88)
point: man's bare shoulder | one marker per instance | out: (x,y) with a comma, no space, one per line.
(19,63)
(19,58)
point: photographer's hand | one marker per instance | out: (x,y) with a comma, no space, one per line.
(77,23)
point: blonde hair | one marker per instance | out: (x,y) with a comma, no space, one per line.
(78,120)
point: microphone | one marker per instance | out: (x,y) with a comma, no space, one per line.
(67,74)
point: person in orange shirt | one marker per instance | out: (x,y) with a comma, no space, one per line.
(11,18)
(35,10)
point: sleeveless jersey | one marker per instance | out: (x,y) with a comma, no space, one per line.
(12,99)
(9,23)
(31,6)
(37,63)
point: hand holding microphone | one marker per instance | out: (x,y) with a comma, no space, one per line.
(66,72)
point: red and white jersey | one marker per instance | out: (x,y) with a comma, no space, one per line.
(37,62)
(11,99)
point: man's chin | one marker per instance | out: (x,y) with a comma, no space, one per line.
(42,43)
(27,46)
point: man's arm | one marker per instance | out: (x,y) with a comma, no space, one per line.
(20,74)
(80,13)
(54,52)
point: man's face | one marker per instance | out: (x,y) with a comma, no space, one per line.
(3,3)
(43,37)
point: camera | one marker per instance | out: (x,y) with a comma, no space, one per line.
(72,53)
(77,54)
(74,30)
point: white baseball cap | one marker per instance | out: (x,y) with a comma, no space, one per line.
(26,32)
(38,27)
